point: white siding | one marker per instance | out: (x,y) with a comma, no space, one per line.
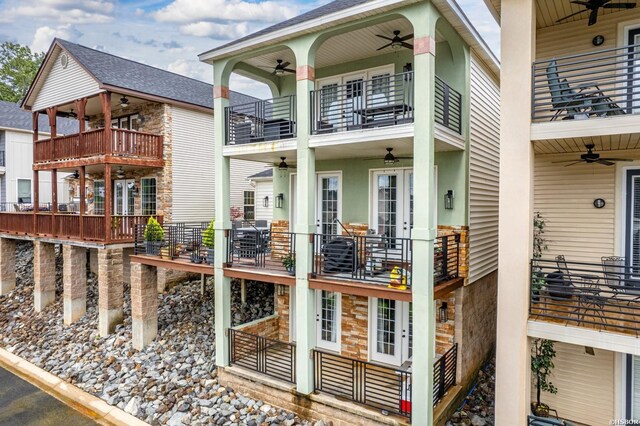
(585,385)
(264,188)
(483,172)
(240,171)
(56,89)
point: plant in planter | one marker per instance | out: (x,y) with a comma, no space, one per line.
(209,241)
(153,237)
(539,245)
(542,354)
(289,263)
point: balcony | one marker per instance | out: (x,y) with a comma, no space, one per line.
(604,83)
(603,297)
(124,144)
(261,121)
(448,106)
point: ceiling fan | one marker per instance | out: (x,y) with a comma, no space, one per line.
(282,165)
(396,42)
(389,158)
(591,157)
(281,68)
(594,6)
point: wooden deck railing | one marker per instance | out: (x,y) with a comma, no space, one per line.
(125,143)
(67,226)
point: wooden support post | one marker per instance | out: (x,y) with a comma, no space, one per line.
(52,115)
(36,186)
(80,107)
(105,101)
(54,200)
(243,291)
(202,283)
(107,202)
(82,202)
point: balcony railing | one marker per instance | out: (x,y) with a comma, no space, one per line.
(124,143)
(182,241)
(602,296)
(379,259)
(444,373)
(266,356)
(448,106)
(602,83)
(361,104)
(257,247)
(377,386)
(264,120)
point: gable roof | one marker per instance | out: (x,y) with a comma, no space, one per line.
(113,72)
(267,173)
(12,117)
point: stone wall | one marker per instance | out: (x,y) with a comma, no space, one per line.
(463,261)
(280,239)
(355,329)
(264,327)
(445,331)
(283,311)
(476,306)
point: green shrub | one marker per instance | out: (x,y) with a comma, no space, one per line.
(289,261)
(209,236)
(153,230)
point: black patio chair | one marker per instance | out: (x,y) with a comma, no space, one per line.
(586,290)
(618,278)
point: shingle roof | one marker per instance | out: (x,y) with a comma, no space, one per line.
(263,174)
(334,6)
(127,74)
(12,116)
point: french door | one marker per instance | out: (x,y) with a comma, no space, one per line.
(392,203)
(328,203)
(632,225)
(328,313)
(123,197)
(391,332)
(633,84)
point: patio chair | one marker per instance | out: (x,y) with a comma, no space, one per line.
(339,255)
(585,289)
(617,277)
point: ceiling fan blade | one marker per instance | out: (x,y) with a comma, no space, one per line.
(619,6)
(574,163)
(404,158)
(384,37)
(564,161)
(384,47)
(407,37)
(407,45)
(284,64)
(616,159)
(604,162)
(593,17)
(571,16)
(581,3)
(289,70)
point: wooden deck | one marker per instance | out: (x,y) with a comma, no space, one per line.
(175,264)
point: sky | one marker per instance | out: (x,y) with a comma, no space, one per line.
(169,34)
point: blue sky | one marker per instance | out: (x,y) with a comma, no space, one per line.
(167,33)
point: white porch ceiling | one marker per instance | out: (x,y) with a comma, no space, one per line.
(622,142)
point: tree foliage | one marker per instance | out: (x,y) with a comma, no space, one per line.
(18,67)
(542,355)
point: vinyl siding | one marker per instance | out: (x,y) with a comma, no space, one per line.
(56,89)
(484,135)
(585,385)
(263,189)
(239,182)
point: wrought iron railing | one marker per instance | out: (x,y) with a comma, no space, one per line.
(448,106)
(359,104)
(384,388)
(267,356)
(604,296)
(264,120)
(257,247)
(180,241)
(444,373)
(379,259)
(595,84)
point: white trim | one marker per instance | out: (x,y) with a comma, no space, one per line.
(259,148)
(402,333)
(293,183)
(597,126)
(400,131)
(324,174)
(292,313)
(18,179)
(366,74)
(331,346)
(619,385)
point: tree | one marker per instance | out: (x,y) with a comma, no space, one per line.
(542,354)
(18,68)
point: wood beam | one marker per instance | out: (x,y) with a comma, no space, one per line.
(101,160)
(82,200)
(105,102)
(54,200)
(107,202)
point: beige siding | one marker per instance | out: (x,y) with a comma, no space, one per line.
(585,385)
(483,173)
(564,196)
(56,89)
(240,172)
(264,188)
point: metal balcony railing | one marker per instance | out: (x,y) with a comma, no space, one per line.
(250,246)
(264,120)
(182,241)
(266,356)
(448,106)
(444,373)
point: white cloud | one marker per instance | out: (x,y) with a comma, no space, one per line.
(217,31)
(44,36)
(246,85)
(191,68)
(190,11)
(61,11)
(139,12)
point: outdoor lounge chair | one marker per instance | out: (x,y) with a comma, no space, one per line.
(618,277)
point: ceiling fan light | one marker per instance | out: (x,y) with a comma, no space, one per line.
(283,165)
(124,102)
(279,71)
(396,45)
(120,173)
(389,159)
(76,174)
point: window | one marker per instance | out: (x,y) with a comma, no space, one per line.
(148,202)
(129,122)
(249,205)
(98,197)
(24,190)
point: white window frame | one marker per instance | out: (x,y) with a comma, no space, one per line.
(330,346)
(244,205)
(318,196)
(30,189)
(401,330)
(141,192)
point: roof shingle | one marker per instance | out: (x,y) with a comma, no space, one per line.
(12,116)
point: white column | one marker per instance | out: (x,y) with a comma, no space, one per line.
(513,384)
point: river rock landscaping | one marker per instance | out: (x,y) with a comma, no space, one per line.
(172,381)
(478,408)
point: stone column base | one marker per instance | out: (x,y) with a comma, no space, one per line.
(144,304)
(110,290)
(74,309)
(74,278)
(108,319)
(7,265)
(44,274)
(144,331)
(42,299)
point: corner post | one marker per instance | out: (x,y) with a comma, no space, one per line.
(107,202)
(105,102)
(82,200)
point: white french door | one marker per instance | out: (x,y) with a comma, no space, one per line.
(391,331)
(123,197)
(392,203)
(328,203)
(328,314)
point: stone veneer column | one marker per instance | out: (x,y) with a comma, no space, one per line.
(110,290)
(44,274)
(7,265)
(144,304)
(74,279)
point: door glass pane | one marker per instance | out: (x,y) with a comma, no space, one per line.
(354,101)
(148,200)
(24,190)
(411,200)
(635,226)
(329,107)
(119,194)
(329,205)
(130,208)
(635,389)
(328,315)
(386,327)
(135,122)
(98,197)
(387,205)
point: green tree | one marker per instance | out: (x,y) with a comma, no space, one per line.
(18,67)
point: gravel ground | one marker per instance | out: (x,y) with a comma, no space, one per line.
(172,381)
(478,409)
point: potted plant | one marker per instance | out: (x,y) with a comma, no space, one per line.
(153,236)
(542,354)
(209,241)
(289,263)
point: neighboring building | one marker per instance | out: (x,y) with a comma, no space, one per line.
(144,148)
(16,158)
(262,183)
(570,152)
(384,133)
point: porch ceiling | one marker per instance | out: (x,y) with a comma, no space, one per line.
(93,104)
(622,142)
